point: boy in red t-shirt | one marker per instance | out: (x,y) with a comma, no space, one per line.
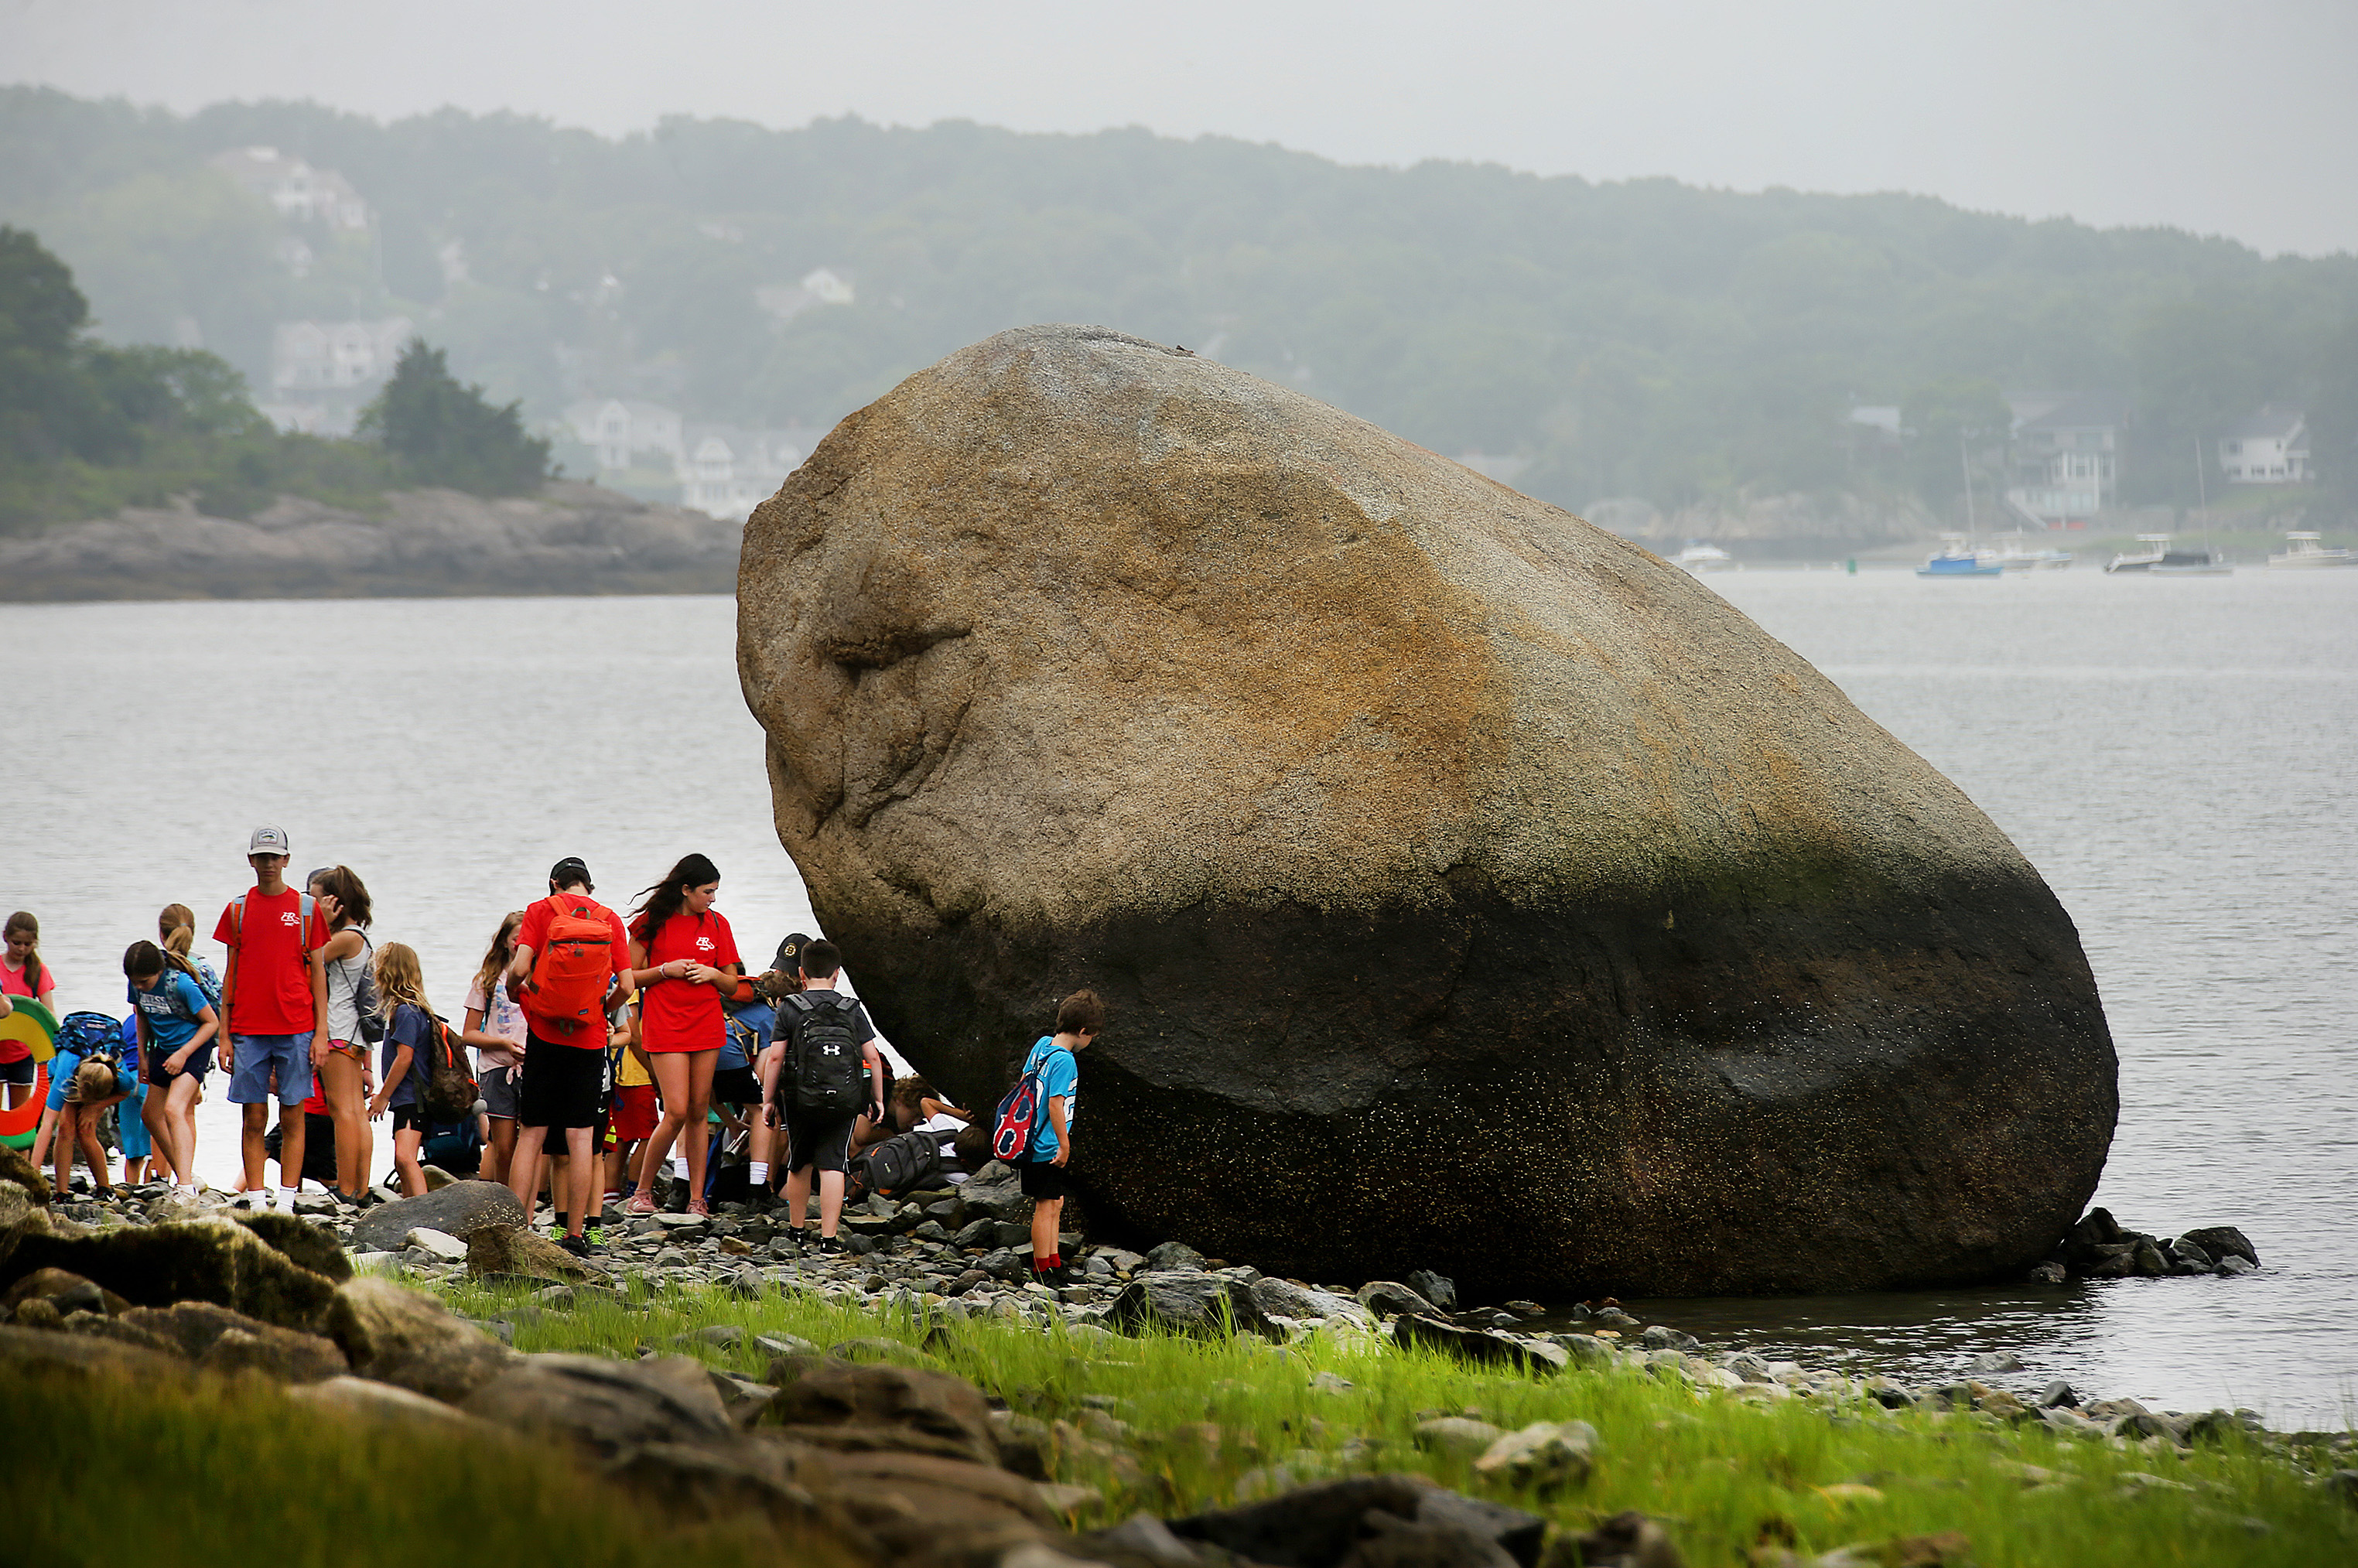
(567,988)
(277,994)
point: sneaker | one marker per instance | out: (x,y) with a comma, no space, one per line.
(595,1236)
(699,1207)
(639,1203)
(576,1244)
(832,1244)
(1054,1279)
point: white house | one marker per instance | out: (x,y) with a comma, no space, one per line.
(2270,448)
(784,301)
(2067,450)
(334,356)
(617,430)
(728,471)
(296,189)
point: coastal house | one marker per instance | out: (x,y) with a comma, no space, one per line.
(2065,456)
(2270,448)
(784,301)
(728,471)
(293,188)
(334,356)
(620,431)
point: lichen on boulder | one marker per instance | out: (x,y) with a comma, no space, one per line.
(1471,888)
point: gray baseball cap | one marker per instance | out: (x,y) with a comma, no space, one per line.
(267,841)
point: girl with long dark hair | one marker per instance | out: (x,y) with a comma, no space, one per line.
(497,1029)
(341,1060)
(23,974)
(684,960)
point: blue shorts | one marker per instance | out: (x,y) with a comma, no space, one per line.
(131,1130)
(257,1055)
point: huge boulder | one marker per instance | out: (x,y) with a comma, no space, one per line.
(1470,888)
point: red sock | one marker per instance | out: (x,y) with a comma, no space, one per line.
(1055,1259)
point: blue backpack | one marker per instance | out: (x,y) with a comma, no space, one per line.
(94,1037)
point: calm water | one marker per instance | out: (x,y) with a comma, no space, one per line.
(2177,757)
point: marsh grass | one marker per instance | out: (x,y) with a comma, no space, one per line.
(232,1475)
(1728,1472)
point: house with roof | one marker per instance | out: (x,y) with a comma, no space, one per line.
(626,434)
(2064,456)
(729,469)
(2271,447)
(296,189)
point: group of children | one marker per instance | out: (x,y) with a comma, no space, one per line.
(604,1049)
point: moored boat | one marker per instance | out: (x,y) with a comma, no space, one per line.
(1699,556)
(2158,559)
(2017,555)
(2308,551)
(1954,558)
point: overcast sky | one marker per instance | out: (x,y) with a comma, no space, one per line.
(2223,116)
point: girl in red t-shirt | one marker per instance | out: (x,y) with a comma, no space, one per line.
(682,960)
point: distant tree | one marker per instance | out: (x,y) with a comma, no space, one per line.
(438,431)
(2333,420)
(1947,423)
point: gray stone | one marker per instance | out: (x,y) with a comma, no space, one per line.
(454,1210)
(2222,1240)
(1441,1293)
(2047,1274)
(2058,1393)
(1543,1455)
(1189,1301)
(448,1248)
(1174,1257)
(1990,1362)
(368,1400)
(1283,1298)
(1388,1298)
(605,1406)
(206,1261)
(2233,1264)
(1482,1348)
(1457,1434)
(407,1338)
(1661,1336)
(1585,1350)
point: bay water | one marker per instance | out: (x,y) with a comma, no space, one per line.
(2178,757)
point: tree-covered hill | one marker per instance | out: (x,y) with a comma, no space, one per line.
(1633,339)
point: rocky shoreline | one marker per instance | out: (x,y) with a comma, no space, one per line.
(570,538)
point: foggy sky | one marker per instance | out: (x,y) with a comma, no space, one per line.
(2219,116)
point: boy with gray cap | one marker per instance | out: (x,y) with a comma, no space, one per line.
(275,993)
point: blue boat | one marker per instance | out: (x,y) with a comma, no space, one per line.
(1954,559)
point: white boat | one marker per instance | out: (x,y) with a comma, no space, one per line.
(2158,560)
(1954,559)
(2305,551)
(2017,555)
(1700,558)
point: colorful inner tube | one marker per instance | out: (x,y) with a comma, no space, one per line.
(31,1025)
(19,1127)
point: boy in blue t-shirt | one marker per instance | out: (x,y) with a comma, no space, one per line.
(1078,1020)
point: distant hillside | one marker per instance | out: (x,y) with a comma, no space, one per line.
(1636,340)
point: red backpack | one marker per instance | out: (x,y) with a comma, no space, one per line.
(575,961)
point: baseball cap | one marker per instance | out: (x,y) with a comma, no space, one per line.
(790,953)
(267,841)
(569,869)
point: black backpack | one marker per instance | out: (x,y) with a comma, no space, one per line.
(902,1163)
(827,1060)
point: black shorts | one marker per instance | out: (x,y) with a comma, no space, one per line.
(1042,1180)
(736,1086)
(564,1085)
(817,1138)
(409,1118)
(200,1062)
(18,1071)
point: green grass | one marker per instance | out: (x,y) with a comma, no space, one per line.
(229,1475)
(1726,1471)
